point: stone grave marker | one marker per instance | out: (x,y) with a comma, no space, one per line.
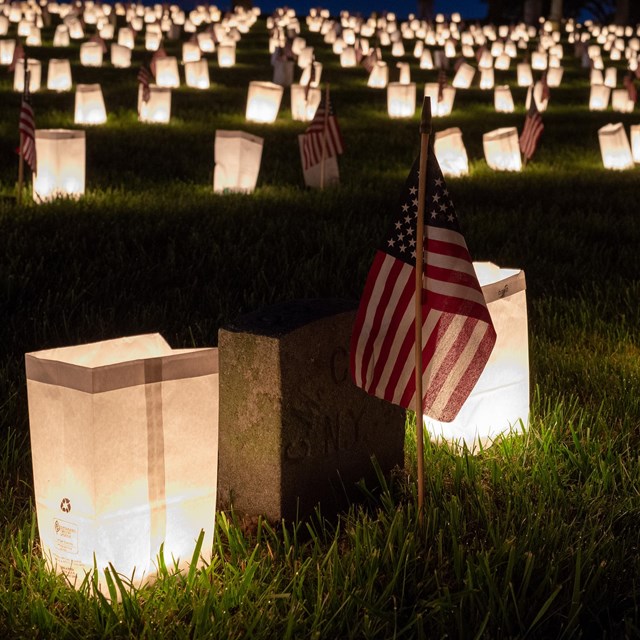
(294,429)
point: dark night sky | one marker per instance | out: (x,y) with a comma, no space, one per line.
(467,8)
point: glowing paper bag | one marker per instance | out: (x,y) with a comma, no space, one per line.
(61,164)
(124,437)
(615,147)
(502,149)
(499,402)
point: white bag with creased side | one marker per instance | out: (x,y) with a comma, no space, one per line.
(124,439)
(499,402)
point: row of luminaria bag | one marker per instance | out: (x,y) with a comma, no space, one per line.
(61,161)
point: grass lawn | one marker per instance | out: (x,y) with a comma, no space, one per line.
(537,536)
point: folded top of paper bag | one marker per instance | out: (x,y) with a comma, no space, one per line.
(498,283)
(122,362)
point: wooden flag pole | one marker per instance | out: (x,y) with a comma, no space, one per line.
(324,135)
(25,89)
(20,172)
(425,131)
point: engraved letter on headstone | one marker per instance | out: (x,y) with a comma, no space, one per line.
(294,429)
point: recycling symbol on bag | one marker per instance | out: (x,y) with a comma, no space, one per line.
(65,505)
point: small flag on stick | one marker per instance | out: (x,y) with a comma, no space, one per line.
(323,131)
(98,39)
(18,54)
(546,92)
(531,132)
(369,61)
(630,85)
(442,83)
(157,55)
(457,334)
(27,128)
(144,80)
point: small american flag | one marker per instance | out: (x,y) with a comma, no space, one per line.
(457,332)
(18,54)
(442,83)
(27,128)
(313,80)
(98,39)
(546,93)
(359,52)
(531,132)
(630,85)
(144,79)
(315,134)
(369,61)
(157,55)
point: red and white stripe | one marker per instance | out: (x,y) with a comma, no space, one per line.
(457,333)
(158,55)
(323,131)
(27,128)
(145,79)
(531,132)
(315,137)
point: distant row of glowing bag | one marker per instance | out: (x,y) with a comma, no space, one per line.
(600,94)
(59,71)
(502,147)
(263,102)
(73,30)
(124,441)
(92,54)
(61,163)
(196,71)
(379,76)
(401,99)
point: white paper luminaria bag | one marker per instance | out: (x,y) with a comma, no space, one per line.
(499,402)
(124,438)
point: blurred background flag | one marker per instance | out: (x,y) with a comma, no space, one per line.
(323,130)
(531,132)
(144,79)
(27,128)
